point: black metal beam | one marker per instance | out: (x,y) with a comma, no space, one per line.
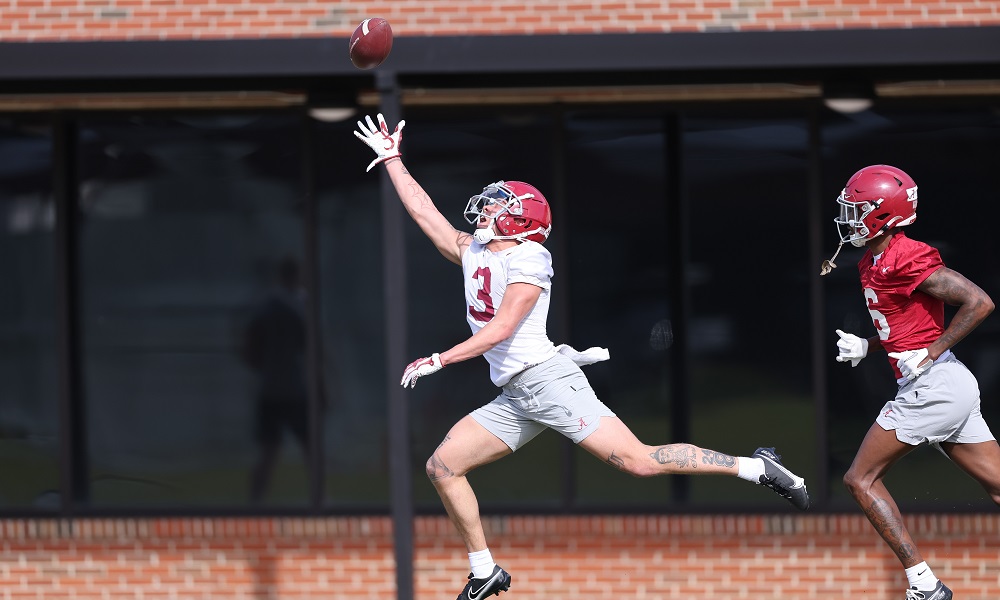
(139,63)
(74,476)
(315,461)
(818,333)
(396,327)
(678,295)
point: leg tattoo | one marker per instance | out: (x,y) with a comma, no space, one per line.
(682,455)
(436,469)
(718,458)
(889,524)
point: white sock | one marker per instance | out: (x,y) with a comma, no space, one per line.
(921,577)
(482,563)
(750,468)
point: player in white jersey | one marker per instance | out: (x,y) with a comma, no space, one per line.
(508,276)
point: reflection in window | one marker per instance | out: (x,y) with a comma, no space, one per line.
(192,310)
(29,444)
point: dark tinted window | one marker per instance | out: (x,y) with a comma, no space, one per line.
(353,320)
(29,418)
(191,246)
(749,342)
(617,276)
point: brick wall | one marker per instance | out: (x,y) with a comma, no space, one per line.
(607,557)
(26,20)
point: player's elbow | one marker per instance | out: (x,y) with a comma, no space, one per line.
(987,304)
(497,331)
(498,335)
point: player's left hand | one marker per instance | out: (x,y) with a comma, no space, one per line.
(912,362)
(419,368)
(378,138)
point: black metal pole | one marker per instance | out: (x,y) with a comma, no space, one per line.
(677,260)
(394,280)
(314,336)
(821,488)
(74,479)
(562,305)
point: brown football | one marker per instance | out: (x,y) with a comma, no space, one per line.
(371,43)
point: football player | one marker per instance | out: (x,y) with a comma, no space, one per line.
(508,272)
(906,286)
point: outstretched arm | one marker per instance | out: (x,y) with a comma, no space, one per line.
(974,305)
(450,242)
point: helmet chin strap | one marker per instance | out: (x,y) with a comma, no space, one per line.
(828,265)
(485,235)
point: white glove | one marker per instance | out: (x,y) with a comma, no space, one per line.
(909,362)
(379,139)
(419,368)
(852,348)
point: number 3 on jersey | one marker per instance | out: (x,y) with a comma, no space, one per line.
(877,318)
(483,275)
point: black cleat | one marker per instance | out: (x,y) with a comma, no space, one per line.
(786,484)
(940,592)
(498,581)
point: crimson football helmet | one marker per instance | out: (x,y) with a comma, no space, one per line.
(524,213)
(875,199)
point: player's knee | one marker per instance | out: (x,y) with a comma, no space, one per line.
(436,469)
(853,482)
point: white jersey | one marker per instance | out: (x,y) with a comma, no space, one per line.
(487,275)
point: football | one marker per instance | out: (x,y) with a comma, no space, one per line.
(371,43)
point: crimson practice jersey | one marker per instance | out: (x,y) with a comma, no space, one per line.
(906,319)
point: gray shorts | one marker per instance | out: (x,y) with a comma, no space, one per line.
(554,394)
(942,405)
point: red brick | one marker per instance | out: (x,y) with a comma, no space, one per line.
(594,557)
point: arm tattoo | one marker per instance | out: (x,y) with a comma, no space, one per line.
(723,460)
(419,204)
(421,196)
(890,527)
(954,289)
(682,455)
(949,286)
(616,462)
(446,438)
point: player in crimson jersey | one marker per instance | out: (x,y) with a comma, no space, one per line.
(906,286)
(507,274)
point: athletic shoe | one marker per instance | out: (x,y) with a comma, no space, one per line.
(786,484)
(940,592)
(498,581)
